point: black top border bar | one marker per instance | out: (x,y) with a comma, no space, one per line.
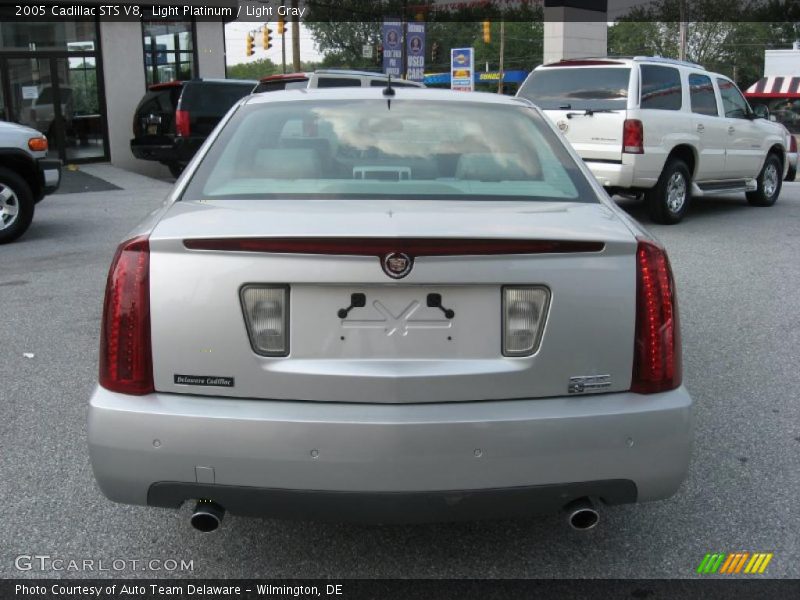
(377,10)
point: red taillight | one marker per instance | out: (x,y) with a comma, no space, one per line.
(633,136)
(182,123)
(126,362)
(657,343)
(792,144)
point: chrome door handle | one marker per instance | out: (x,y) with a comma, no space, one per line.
(700,127)
(731,129)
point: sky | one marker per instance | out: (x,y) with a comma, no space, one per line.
(236,31)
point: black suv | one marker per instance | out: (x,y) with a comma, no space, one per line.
(174,119)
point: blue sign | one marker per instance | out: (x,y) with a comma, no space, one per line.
(392,39)
(462,69)
(415,48)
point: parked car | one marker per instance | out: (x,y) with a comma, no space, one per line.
(328,78)
(389,306)
(26,177)
(665,128)
(173,119)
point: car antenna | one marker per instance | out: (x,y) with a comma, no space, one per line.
(388,91)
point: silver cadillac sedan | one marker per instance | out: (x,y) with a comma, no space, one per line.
(389,305)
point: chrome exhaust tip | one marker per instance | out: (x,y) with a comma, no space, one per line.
(207,516)
(582,514)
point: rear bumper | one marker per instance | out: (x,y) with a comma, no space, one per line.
(408,462)
(178,150)
(611,174)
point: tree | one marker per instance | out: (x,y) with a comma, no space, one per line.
(733,48)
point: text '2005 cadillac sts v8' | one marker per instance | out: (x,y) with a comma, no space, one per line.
(389,305)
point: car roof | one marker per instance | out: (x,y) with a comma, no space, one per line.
(180,83)
(376,93)
(285,76)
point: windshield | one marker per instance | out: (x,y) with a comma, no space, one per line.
(578,88)
(350,149)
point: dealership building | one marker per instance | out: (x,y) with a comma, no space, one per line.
(79,80)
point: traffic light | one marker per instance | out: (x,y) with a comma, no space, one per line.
(379,55)
(435,52)
(266,37)
(487,32)
(281,25)
(249,41)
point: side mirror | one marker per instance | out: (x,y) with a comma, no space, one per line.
(761,111)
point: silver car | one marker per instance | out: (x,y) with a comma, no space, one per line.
(389,305)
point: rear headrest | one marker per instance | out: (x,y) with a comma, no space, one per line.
(490,167)
(288,163)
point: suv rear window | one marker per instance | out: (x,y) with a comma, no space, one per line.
(212,99)
(335,82)
(351,149)
(661,88)
(578,88)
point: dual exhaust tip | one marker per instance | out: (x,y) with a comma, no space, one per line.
(207,516)
(582,515)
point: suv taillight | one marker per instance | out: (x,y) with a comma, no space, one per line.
(792,143)
(633,136)
(182,123)
(657,342)
(126,362)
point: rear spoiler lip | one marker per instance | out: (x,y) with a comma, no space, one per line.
(380,247)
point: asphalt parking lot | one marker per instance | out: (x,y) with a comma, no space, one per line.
(737,269)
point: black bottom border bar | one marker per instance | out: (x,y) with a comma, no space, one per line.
(391,589)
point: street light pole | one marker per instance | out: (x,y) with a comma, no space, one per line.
(683,32)
(295,38)
(502,52)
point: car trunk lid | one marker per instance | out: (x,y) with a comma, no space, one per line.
(397,347)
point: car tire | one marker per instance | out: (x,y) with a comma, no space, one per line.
(16,206)
(769,183)
(668,200)
(175,169)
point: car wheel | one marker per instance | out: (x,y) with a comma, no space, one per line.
(668,200)
(769,183)
(16,206)
(175,169)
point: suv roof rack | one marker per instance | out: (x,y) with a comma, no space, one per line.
(671,61)
(612,57)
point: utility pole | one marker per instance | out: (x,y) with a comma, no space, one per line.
(502,51)
(683,33)
(295,38)
(282,31)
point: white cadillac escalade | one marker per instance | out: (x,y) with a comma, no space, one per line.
(667,129)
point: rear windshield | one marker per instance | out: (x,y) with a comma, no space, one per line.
(159,101)
(331,82)
(350,149)
(213,99)
(578,88)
